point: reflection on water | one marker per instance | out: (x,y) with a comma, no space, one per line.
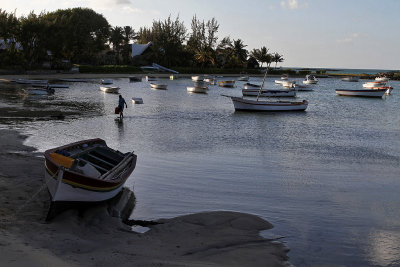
(384,248)
(326,178)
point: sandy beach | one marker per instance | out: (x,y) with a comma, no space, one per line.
(95,238)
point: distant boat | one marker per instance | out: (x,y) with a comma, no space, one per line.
(159,86)
(269,93)
(373,84)
(229,83)
(243,78)
(110,89)
(26,81)
(251,86)
(197,89)
(86,171)
(135,79)
(382,79)
(197,78)
(310,79)
(74,80)
(288,84)
(210,80)
(137,100)
(151,78)
(351,79)
(361,92)
(284,81)
(284,77)
(50,85)
(107,81)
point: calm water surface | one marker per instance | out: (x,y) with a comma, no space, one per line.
(327,178)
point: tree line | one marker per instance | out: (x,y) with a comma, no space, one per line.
(82,36)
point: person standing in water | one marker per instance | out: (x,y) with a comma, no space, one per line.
(121,107)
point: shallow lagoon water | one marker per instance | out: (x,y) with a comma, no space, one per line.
(327,178)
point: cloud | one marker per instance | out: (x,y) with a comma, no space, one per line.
(350,38)
(293,4)
(128,9)
(123,2)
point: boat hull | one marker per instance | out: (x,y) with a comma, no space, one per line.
(226,83)
(253,105)
(199,90)
(362,92)
(109,89)
(269,93)
(373,84)
(158,86)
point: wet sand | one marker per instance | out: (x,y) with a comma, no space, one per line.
(94,238)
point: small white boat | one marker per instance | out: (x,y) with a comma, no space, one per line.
(244,78)
(137,100)
(268,92)
(351,79)
(197,89)
(253,105)
(361,92)
(288,84)
(230,83)
(210,80)
(382,79)
(135,79)
(86,171)
(159,86)
(110,89)
(373,84)
(310,79)
(151,78)
(197,78)
(106,81)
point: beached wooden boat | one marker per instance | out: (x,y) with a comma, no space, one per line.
(251,86)
(86,171)
(197,89)
(106,81)
(110,89)
(210,80)
(159,86)
(135,79)
(361,92)
(269,93)
(151,78)
(230,83)
(137,100)
(240,103)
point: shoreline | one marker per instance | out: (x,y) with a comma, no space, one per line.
(94,238)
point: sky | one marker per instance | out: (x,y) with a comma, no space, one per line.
(361,34)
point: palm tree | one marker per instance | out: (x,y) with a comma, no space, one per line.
(116,39)
(204,56)
(262,56)
(239,50)
(277,58)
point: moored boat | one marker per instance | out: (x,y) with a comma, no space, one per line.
(159,86)
(86,171)
(361,92)
(351,79)
(109,89)
(210,80)
(230,83)
(251,86)
(240,103)
(197,89)
(197,78)
(151,78)
(269,93)
(137,100)
(288,84)
(373,84)
(310,79)
(382,79)
(244,78)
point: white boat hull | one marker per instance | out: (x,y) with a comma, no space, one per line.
(158,86)
(373,84)
(269,93)
(64,192)
(197,78)
(210,81)
(109,89)
(199,90)
(137,100)
(310,82)
(253,105)
(362,92)
(382,79)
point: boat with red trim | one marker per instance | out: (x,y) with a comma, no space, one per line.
(86,171)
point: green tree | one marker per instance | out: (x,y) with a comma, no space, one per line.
(116,39)
(277,58)
(262,56)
